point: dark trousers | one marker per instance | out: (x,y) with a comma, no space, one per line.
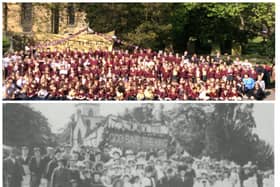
(249,92)
(35,181)
(11,183)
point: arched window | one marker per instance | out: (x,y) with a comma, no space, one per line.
(55,19)
(71,14)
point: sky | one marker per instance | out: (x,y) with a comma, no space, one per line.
(59,114)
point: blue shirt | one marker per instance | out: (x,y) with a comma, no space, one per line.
(249,83)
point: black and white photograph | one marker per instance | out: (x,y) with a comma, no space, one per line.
(138,145)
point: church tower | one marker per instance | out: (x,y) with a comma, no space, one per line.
(88,110)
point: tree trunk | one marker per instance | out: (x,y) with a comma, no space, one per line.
(236,49)
(215,48)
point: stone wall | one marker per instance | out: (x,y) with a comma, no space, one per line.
(14,17)
(41,19)
(80,22)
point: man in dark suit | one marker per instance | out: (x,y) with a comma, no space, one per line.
(181,179)
(48,156)
(52,165)
(190,173)
(36,167)
(12,171)
(24,159)
(61,175)
(168,180)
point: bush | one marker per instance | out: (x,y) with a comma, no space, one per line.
(5,44)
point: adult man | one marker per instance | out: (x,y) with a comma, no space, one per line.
(67,152)
(24,161)
(36,166)
(190,173)
(12,171)
(168,180)
(181,179)
(52,165)
(149,180)
(61,176)
(48,156)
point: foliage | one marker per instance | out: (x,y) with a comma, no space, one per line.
(24,126)
(170,25)
(5,44)
(223,133)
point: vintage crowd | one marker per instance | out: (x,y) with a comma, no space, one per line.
(45,74)
(64,166)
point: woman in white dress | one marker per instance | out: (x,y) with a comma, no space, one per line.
(234,177)
(226,182)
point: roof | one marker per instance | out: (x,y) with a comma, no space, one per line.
(97,120)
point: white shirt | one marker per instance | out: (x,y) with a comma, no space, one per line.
(262,84)
(250,182)
(148,182)
(200,184)
(6,61)
(42,93)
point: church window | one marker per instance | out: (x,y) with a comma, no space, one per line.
(26,16)
(55,19)
(71,14)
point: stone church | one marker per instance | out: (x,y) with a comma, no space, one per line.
(56,18)
(91,129)
(89,125)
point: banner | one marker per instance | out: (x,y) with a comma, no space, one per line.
(62,40)
(79,40)
(136,141)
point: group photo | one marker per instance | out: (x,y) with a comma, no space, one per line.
(141,145)
(128,51)
(139,94)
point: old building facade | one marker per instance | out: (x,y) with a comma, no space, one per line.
(57,18)
(92,129)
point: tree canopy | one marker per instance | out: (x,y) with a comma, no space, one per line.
(22,125)
(224,132)
(174,25)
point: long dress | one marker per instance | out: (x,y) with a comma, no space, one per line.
(250,182)
(234,178)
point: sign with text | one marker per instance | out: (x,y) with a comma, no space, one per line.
(136,141)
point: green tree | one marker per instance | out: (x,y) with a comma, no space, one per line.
(214,26)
